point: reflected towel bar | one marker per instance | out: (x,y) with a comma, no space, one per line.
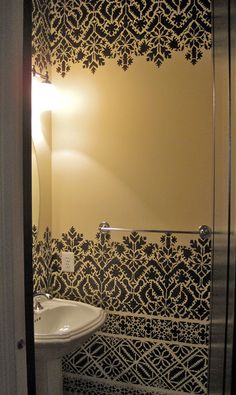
(204,231)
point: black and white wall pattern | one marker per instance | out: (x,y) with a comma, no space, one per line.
(157,297)
(92,31)
(156,294)
(41,256)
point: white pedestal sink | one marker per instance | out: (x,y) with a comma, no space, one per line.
(59,328)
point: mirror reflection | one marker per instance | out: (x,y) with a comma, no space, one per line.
(130,145)
(35,189)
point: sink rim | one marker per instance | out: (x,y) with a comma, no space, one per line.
(72,334)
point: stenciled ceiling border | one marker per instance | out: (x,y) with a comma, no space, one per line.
(41,30)
(91,31)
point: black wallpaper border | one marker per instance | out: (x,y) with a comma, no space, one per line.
(90,32)
(161,344)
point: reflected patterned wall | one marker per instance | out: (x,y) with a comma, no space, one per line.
(41,256)
(92,31)
(157,296)
(41,30)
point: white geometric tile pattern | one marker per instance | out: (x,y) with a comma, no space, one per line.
(99,387)
(142,363)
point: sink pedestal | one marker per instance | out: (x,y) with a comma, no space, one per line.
(48,377)
(60,326)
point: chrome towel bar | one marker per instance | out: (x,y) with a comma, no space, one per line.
(204,231)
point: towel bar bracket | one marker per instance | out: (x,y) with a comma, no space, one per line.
(205,232)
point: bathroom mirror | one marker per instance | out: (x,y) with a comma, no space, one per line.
(41,171)
(129,141)
(35,189)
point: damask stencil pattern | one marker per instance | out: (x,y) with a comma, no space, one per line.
(164,279)
(41,27)
(156,335)
(41,257)
(90,32)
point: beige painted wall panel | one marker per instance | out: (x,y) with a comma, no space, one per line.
(133,148)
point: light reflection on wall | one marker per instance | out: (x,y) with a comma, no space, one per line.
(43,100)
(44,95)
(141,133)
(96,183)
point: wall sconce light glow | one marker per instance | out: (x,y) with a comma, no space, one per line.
(43,95)
(37,134)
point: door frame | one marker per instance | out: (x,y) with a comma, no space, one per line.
(14,200)
(224,236)
(15,194)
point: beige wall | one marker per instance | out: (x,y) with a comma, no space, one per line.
(133,148)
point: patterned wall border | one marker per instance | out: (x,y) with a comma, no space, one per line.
(92,31)
(156,328)
(162,278)
(159,347)
(41,31)
(41,256)
(139,364)
(146,361)
(84,386)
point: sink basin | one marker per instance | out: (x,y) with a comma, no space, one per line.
(62,325)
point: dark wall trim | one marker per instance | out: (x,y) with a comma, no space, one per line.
(221,198)
(28,196)
(232,256)
(222,358)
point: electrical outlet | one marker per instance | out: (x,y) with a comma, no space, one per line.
(68,261)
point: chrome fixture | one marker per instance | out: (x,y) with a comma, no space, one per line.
(204,231)
(46,294)
(37,304)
